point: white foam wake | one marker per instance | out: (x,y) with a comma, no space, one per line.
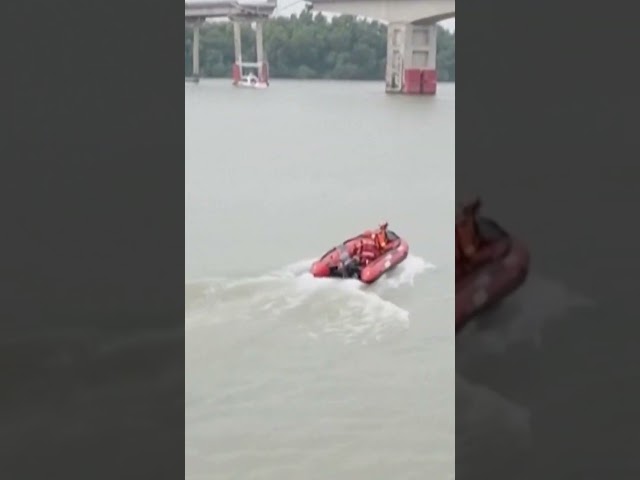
(347,308)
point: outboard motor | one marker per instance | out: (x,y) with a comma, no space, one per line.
(348,267)
(352,269)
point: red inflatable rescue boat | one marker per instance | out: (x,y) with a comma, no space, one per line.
(502,268)
(344,261)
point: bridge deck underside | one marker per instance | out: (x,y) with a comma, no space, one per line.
(197,12)
(393,11)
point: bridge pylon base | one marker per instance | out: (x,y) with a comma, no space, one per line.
(411,59)
(261,65)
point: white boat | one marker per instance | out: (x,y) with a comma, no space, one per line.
(251,81)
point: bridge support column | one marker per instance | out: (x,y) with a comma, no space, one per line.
(411,59)
(263,69)
(260,64)
(430,74)
(196,51)
(237,43)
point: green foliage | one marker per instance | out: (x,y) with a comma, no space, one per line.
(311,46)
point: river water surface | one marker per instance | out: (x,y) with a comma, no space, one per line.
(290,377)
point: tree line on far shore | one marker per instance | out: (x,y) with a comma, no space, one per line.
(310,46)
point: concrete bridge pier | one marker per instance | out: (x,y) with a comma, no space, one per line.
(196,52)
(260,64)
(263,66)
(411,58)
(237,44)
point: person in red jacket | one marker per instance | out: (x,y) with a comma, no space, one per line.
(381,237)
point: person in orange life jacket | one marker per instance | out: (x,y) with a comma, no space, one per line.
(380,237)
